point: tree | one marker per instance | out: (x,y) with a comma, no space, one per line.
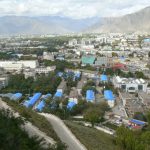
(114,54)
(125,139)
(139,74)
(90,85)
(79,108)
(13,137)
(92,115)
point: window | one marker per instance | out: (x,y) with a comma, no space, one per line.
(123,87)
(140,87)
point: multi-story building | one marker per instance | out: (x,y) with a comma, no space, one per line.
(3,81)
(103,61)
(18,65)
(45,70)
(48,56)
(130,84)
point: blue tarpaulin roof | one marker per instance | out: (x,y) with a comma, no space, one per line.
(138,122)
(71,105)
(47,96)
(40,106)
(9,95)
(33,100)
(16,96)
(108,94)
(103,77)
(58,94)
(90,95)
(77,74)
(60,74)
(147,40)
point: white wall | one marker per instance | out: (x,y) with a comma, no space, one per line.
(111,103)
(17,65)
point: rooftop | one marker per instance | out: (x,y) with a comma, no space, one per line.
(129,80)
(108,94)
(90,95)
(88,60)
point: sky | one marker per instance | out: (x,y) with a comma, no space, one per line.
(76,9)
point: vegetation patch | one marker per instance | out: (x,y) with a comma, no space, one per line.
(91,138)
(37,120)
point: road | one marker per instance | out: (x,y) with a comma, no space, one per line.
(64,133)
(29,128)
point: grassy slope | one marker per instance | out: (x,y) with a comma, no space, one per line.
(36,119)
(92,138)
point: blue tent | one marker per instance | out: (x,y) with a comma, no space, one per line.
(71,105)
(103,78)
(40,106)
(77,75)
(60,74)
(47,96)
(16,96)
(9,95)
(108,94)
(58,94)
(33,100)
(138,122)
(90,95)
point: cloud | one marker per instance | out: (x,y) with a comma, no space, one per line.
(71,8)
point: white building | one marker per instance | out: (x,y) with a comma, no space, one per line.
(45,70)
(48,56)
(73,96)
(3,82)
(73,42)
(29,73)
(18,65)
(130,84)
(111,103)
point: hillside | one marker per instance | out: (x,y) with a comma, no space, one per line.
(139,21)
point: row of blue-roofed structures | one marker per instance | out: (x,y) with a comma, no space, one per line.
(90,94)
(37,101)
(11,96)
(70,73)
(108,94)
(32,100)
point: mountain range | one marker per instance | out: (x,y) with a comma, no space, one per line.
(13,25)
(138,21)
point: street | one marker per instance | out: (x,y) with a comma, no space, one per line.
(64,133)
